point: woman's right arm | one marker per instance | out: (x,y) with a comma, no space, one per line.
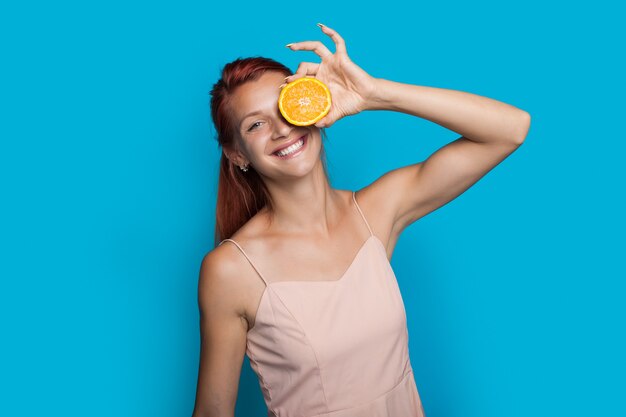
(223,336)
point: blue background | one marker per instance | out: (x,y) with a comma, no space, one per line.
(514,291)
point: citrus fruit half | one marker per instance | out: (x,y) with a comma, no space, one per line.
(304,101)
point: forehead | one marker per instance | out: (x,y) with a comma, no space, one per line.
(259,94)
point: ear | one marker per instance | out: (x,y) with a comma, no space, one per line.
(234,156)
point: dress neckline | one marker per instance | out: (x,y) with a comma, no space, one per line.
(341,277)
(268,285)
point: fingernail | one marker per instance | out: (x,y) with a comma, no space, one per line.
(287,77)
(320,25)
(288,45)
(282,85)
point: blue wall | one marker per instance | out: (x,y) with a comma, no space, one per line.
(514,291)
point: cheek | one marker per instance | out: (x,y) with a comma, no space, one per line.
(258,147)
(319,140)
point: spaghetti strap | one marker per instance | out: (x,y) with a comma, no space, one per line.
(359,208)
(247,257)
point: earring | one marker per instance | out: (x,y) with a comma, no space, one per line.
(244,168)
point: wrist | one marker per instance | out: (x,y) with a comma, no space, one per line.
(377,99)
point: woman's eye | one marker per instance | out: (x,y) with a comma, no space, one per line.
(253,126)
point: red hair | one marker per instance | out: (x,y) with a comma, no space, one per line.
(240,195)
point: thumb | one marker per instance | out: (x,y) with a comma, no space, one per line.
(324,122)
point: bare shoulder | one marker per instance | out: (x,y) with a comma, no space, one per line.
(228,279)
(219,283)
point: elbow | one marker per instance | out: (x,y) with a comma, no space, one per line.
(521,127)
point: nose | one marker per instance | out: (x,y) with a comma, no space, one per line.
(282,127)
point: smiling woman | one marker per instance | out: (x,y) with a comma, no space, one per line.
(300,281)
(241,192)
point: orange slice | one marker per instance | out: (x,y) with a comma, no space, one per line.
(304,101)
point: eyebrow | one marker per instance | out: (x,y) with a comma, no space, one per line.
(248,115)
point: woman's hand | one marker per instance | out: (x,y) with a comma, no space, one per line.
(350,87)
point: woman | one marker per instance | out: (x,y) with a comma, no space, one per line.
(301,280)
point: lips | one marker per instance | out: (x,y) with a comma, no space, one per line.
(288,144)
(297,152)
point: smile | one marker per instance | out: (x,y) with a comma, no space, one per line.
(292,150)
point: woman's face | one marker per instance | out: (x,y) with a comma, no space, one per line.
(262,131)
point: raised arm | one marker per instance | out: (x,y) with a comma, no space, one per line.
(491,131)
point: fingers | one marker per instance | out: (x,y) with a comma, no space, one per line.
(307,68)
(340,44)
(294,77)
(304,69)
(325,122)
(315,46)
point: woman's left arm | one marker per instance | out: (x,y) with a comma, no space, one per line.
(479,119)
(491,130)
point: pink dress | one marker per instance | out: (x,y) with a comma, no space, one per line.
(335,348)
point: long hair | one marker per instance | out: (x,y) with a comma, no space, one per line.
(240,195)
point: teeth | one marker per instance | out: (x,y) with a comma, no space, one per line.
(291,149)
